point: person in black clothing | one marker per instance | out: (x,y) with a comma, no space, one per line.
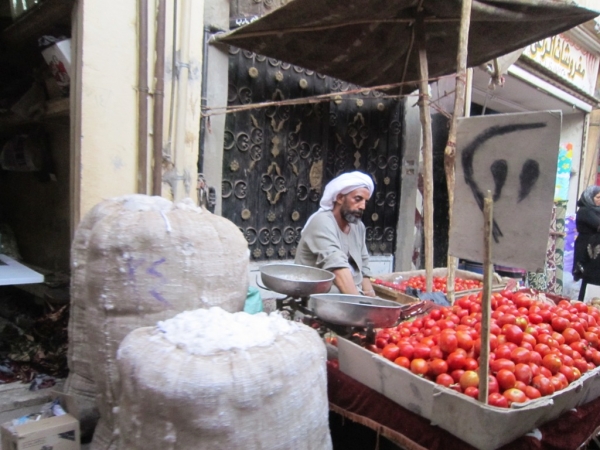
(586,264)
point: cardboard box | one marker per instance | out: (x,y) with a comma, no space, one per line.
(401,297)
(53,433)
(485,427)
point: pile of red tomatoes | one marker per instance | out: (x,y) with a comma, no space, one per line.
(439,284)
(536,348)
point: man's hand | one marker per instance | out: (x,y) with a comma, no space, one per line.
(367,287)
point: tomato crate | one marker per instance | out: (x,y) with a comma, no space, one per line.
(484,427)
(393,294)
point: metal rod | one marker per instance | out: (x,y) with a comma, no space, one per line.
(159,97)
(142,175)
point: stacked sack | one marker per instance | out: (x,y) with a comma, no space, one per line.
(208,379)
(137,260)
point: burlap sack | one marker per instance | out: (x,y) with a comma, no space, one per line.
(80,382)
(263,397)
(148,261)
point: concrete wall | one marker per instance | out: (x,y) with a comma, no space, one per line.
(105,141)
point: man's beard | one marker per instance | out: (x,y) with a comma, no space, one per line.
(352,216)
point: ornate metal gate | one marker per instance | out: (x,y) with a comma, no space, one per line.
(277,159)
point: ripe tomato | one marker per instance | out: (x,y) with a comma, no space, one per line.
(493,385)
(514,395)
(456,374)
(444,379)
(448,342)
(567,372)
(419,366)
(559,324)
(407,350)
(471,363)
(498,400)
(571,335)
(391,352)
(552,362)
(436,367)
(464,340)
(456,360)
(523,373)
(506,379)
(472,391)
(543,384)
(403,361)
(422,351)
(520,355)
(532,393)
(469,378)
(502,363)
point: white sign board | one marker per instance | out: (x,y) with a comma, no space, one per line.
(566,59)
(514,156)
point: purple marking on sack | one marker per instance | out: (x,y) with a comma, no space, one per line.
(152,269)
(158,296)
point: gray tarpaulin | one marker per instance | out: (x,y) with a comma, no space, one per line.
(373,43)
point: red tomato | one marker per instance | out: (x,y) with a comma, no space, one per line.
(391,352)
(493,385)
(532,393)
(472,391)
(422,351)
(502,363)
(437,367)
(514,395)
(520,355)
(456,360)
(506,379)
(543,384)
(559,324)
(406,350)
(498,400)
(444,379)
(469,378)
(471,364)
(419,366)
(552,362)
(513,333)
(403,361)
(523,373)
(456,374)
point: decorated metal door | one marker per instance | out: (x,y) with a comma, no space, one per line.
(277,159)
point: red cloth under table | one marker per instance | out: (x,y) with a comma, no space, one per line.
(362,404)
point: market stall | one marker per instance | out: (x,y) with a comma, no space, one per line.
(361,404)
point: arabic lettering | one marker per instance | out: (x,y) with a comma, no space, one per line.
(559,51)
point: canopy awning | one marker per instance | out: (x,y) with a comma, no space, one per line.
(372,42)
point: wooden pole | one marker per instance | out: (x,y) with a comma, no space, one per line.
(459,110)
(488,270)
(427,150)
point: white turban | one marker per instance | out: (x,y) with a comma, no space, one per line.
(343,184)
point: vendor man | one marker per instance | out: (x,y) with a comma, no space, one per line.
(334,237)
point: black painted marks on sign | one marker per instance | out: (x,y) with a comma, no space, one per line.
(529,172)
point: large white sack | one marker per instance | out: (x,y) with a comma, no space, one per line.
(146,262)
(80,382)
(210,380)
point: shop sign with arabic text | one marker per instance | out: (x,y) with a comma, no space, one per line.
(566,59)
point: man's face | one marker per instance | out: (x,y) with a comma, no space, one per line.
(354,204)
